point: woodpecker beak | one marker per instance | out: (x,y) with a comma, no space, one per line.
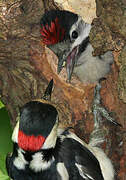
(48,91)
(61,64)
(68,59)
(70,62)
(66,56)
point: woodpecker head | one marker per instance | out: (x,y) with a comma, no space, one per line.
(37,125)
(67,35)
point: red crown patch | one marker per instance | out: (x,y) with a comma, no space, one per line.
(52,34)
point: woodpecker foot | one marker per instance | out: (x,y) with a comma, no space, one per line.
(98,110)
(98,135)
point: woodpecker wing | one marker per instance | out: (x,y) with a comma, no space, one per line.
(79,160)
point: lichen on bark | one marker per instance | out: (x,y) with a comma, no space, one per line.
(122,75)
(109,33)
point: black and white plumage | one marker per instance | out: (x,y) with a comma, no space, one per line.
(67,35)
(45,152)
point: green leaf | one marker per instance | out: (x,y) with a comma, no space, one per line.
(5,132)
(3,176)
(5,142)
(2,164)
(1,105)
(3,172)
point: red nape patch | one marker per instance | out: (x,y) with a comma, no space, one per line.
(52,34)
(30,143)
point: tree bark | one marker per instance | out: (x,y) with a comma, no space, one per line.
(26,67)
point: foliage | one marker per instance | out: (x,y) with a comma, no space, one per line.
(3,177)
(3,172)
(5,142)
(1,105)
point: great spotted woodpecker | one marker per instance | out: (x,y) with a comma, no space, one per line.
(67,35)
(42,151)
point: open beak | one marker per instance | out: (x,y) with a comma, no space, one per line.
(61,64)
(69,61)
(65,56)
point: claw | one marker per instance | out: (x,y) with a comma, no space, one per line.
(100,111)
(105,114)
(97,136)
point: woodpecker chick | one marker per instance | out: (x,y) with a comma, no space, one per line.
(67,35)
(42,151)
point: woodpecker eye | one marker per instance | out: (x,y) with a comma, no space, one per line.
(74,34)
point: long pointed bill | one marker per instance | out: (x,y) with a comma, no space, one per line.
(60,65)
(70,62)
(48,91)
(62,50)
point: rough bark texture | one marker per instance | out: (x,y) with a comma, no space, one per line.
(26,66)
(109,33)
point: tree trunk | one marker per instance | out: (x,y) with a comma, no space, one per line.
(26,66)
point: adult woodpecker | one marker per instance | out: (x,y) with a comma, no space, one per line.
(67,35)
(42,151)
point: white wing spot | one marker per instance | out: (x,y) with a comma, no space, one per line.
(84,175)
(62,171)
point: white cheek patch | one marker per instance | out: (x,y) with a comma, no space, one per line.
(20,162)
(15,133)
(38,164)
(83,30)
